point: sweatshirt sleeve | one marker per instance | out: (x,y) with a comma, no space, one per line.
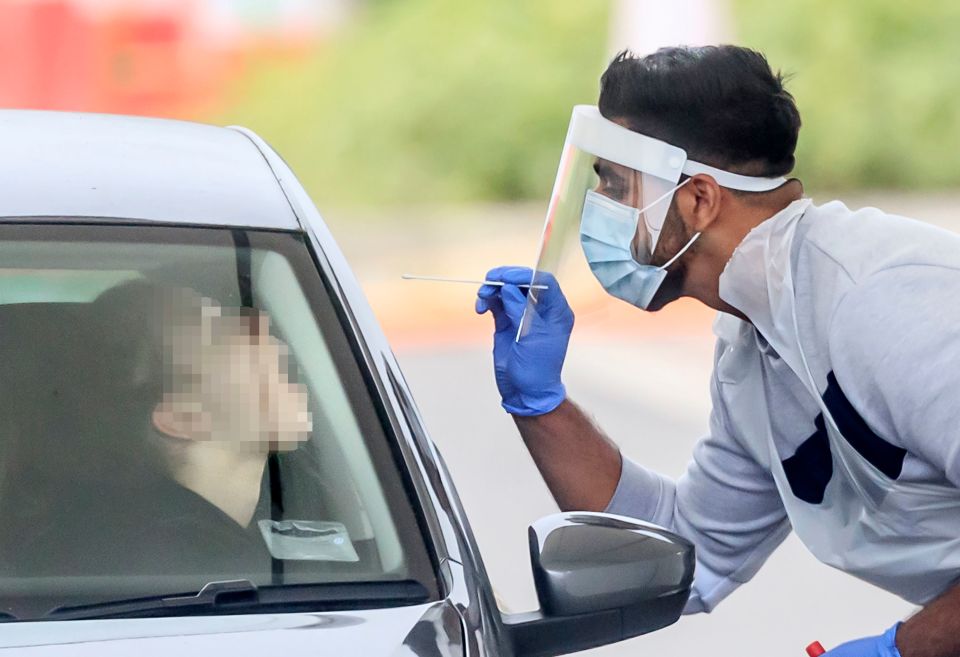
(726,504)
(895,350)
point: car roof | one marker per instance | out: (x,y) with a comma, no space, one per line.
(71,164)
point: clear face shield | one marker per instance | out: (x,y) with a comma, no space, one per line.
(612,194)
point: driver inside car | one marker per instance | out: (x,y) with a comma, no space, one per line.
(227,402)
(175,415)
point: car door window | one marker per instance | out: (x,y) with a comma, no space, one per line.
(180,406)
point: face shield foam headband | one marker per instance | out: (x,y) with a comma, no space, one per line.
(610,178)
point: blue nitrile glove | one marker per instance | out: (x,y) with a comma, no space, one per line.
(874,646)
(528,371)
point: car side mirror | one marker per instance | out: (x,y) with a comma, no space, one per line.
(600,579)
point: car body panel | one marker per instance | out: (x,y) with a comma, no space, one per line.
(62,164)
(416,630)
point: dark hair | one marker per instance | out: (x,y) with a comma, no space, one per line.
(721,104)
(152,336)
(134,331)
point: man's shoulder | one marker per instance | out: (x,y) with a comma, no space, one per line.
(836,240)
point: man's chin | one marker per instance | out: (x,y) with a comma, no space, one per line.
(667,294)
(656,305)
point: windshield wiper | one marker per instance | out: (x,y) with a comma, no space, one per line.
(243,596)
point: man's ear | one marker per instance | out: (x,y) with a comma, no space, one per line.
(173,423)
(698,202)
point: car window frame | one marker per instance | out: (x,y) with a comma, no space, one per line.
(381,375)
(357,355)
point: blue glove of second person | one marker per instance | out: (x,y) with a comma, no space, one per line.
(528,371)
(874,646)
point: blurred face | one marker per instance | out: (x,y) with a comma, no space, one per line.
(234,385)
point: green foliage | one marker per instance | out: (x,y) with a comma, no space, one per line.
(876,82)
(433,100)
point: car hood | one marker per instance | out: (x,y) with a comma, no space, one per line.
(432,629)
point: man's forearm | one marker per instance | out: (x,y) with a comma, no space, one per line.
(935,630)
(579,464)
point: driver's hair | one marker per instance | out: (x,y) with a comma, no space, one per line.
(145,341)
(160,335)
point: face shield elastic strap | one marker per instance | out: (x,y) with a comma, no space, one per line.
(733,180)
(592,133)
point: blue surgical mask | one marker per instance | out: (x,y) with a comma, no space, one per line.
(607,230)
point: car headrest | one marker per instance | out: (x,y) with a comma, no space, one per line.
(69,408)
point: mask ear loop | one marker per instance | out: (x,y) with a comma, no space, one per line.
(692,239)
(681,252)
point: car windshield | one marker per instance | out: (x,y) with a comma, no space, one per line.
(180,406)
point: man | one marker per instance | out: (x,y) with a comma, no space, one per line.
(171,426)
(836,382)
(228,401)
(214,389)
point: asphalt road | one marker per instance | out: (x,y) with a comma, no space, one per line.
(645,380)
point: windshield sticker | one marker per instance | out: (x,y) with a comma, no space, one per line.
(308,540)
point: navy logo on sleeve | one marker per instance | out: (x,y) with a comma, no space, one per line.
(810,468)
(884,456)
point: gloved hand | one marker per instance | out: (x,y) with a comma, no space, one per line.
(528,371)
(875,646)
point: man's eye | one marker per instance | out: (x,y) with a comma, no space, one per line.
(614,191)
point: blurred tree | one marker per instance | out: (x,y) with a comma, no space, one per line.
(431,100)
(876,83)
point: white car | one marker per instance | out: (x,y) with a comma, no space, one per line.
(206,445)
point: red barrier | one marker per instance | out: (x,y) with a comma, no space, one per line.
(55,56)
